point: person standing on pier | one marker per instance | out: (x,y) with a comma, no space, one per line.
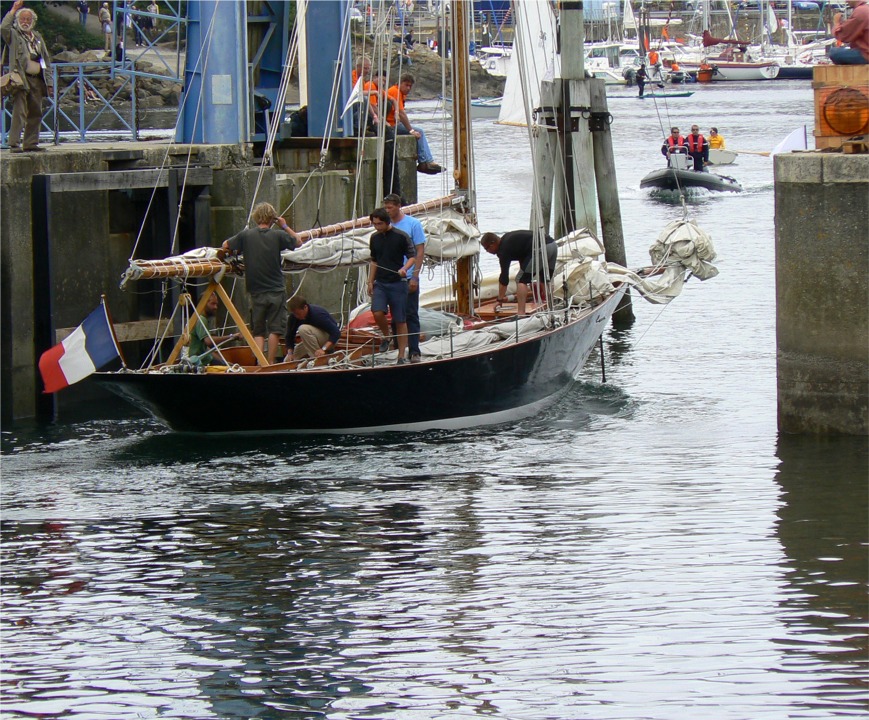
(83,10)
(105,17)
(262,247)
(855,32)
(29,56)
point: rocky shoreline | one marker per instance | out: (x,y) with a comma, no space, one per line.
(425,65)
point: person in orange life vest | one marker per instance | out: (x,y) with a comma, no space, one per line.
(398,94)
(369,122)
(855,32)
(371,90)
(655,69)
(698,148)
(673,144)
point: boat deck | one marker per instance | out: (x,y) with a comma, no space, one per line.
(357,345)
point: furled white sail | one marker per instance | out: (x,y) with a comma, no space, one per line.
(448,237)
(629,21)
(536,60)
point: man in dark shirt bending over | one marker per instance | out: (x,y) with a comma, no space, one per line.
(518,246)
(317,330)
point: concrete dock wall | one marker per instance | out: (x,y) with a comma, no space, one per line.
(822,292)
(72,216)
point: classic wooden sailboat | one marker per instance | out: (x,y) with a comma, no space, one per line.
(734,63)
(490,366)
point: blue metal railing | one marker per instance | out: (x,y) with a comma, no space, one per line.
(76,81)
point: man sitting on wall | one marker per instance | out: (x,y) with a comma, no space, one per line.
(396,117)
(855,31)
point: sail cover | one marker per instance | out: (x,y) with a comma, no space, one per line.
(449,236)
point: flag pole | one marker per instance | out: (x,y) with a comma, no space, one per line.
(112,328)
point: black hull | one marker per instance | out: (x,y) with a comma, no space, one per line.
(673,179)
(497,385)
(795,72)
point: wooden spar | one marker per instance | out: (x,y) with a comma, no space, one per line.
(342,227)
(185,336)
(209,267)
(240,323)
(462,148)
(177,267)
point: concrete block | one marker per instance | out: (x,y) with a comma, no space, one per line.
(841,168)
(822,314)
(798,168)
(226,221)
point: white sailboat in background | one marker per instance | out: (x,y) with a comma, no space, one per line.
(729,58)
(796,61)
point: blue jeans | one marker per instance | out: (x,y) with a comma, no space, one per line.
(423,151)
(847,56)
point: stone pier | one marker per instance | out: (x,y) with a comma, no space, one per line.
(71,217)
(822,292)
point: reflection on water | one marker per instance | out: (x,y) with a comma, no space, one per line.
(824,531)
(352,577)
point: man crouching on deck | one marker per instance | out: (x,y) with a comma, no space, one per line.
(387,278)
(261,247)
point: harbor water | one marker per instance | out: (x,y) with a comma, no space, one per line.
(647,547)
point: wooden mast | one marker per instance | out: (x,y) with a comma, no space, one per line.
(462,140)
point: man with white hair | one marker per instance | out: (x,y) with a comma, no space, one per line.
(28,56)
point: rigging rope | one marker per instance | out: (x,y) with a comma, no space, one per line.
(202,59)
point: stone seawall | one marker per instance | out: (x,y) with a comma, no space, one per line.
(72,217)
(822,292)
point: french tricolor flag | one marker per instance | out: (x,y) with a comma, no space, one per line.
(84,351)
